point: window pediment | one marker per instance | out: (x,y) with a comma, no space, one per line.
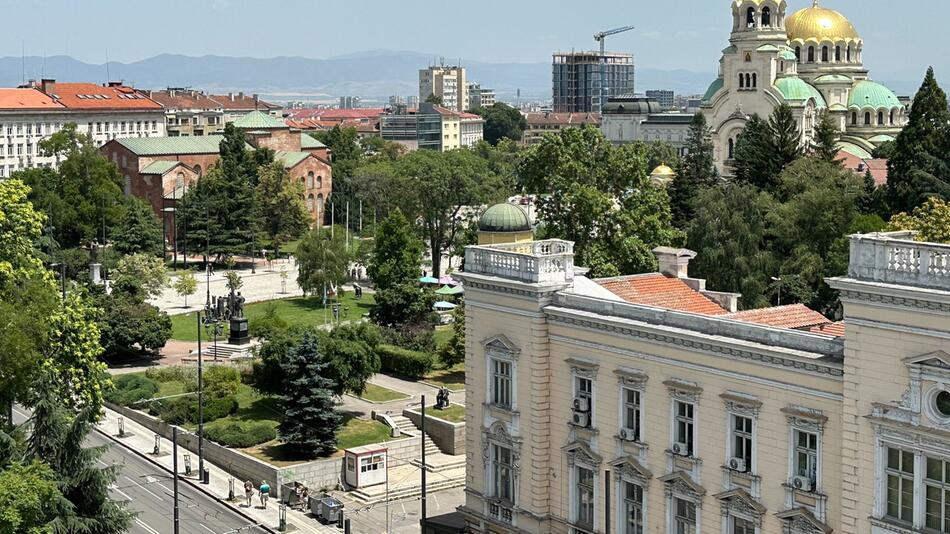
(938,359)
(741,403)
(684,390)
(737,501)
(635,378)
(805,418)
(627,467)
(580,452)
(802,521)
(500,345)
(680,483)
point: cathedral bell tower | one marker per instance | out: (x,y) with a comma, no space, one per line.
(759,21)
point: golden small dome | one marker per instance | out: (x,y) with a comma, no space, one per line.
(819,24)
(663,171)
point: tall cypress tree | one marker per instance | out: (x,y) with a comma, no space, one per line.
(754,162)
(696,172)
(786,142)
(920,166)
(824,144)
(139,230)
(310,420)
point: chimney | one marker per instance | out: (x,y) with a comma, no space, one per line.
(48,86)
(241,95)
(231,96)
(674,262)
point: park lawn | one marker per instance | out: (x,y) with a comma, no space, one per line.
(297,311)
(355,432)
(376,393)
(452,378)
(443,334)
(455,413)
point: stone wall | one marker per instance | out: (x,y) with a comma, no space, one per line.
(448,436)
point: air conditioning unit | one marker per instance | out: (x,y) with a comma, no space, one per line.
(581,404)
(681,449)
(802,483)
(581,419)
(737,464)
(627,434)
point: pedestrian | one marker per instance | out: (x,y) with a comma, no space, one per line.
(265,492)
(248,491)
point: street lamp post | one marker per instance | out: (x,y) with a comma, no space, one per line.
(201,418)
(779,281)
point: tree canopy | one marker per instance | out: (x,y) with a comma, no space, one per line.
(501,122)
(931,221)
(765,148)
(139,231)
(696,171)
(323,261)
(284,214)
(310,421)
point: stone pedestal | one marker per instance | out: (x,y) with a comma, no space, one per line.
(95,273)
(238,334)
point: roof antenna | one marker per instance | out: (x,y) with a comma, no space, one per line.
(108,78)
(23,61)
(44,64)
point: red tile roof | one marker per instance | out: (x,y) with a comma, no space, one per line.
(184,99)
(877,166)
(470,116)
(659,291)
(350,114)
(26,98)
(242,102)
(564,119)
(830,329)
(92,96)
(790,316)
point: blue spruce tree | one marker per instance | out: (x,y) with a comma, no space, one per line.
(310,420)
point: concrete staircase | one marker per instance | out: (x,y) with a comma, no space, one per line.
(223,352)
(405,482)
(406,428)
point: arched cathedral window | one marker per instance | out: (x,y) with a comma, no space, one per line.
(732,148)
(837,53)
(848,57)
(741,81)
(811,54)
(824,54)
(755,82)
(867,118)
(766,17)
(798,53)
(750,18)
(854,118)
(880,118)
(892,117)
(748,81)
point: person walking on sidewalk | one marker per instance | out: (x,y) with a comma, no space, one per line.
(248,491)
(265,492)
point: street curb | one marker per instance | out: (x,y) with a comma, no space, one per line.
(189,482)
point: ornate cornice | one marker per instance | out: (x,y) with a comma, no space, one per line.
(893,300)
(701,346)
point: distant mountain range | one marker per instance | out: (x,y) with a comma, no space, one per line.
(372,74)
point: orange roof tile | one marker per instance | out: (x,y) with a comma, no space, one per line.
(790,316)
(25,98)
(92,96)
(183,99)
(242,102)
(830,329)
(661,292)
(564,119)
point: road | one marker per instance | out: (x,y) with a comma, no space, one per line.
(148,489)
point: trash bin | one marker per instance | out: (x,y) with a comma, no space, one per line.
(206,476)
(326,508)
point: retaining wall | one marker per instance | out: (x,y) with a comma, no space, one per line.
(448,436)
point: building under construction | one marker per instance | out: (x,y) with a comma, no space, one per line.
(577,84)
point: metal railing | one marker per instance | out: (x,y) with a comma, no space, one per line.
(895,258)
(549,261)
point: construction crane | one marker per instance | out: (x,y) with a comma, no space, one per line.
(601,37)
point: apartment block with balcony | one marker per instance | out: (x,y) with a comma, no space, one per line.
(650,403)
(448,83)
(189,112)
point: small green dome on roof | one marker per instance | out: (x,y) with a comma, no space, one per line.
(788,55)
(713,89)
(797,90)
(767,48)
(504,217)
(868,94)
(833,78)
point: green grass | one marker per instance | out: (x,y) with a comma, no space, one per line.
(443,334)
(354,433)
(452,378)
(298,311)
(455,413)
(376,393)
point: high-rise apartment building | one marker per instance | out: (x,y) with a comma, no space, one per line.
(665,97)
(480,97)
(446,82)
(576,79)
(350,102)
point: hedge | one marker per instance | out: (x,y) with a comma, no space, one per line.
(241,433)
(130,389)
(183,410)
(405,362)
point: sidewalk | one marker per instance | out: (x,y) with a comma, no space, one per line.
(141,441)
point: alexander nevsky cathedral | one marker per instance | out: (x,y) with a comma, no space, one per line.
(810,60)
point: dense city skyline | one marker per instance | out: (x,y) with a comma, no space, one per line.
(221,27)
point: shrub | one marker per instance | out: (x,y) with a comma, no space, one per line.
(216,407)
(181,410)
(130,389)
(241,433)
(404,362)
(416,338)
(173,373)
(220,380)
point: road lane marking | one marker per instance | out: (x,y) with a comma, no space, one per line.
(142,524)
(143,488)
(202,525)
(120,492)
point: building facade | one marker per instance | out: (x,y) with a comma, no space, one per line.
(545,122)
(576,79)
(811,60)
(472,129)
(664,96)
(449,83)
(627,119)
(480,97)
(647,403)
(189,112)
(431,127)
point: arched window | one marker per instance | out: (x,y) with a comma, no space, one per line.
(755,81)
(750,18)
(854,118)
(848,57)
(824,54)
(320,203)
(880,118)
(892,117)
(867,118)
(837,53)
(732,148)
(741,81)
(309,202)
(180,180)
(319,181)
(766,17)
(198,170)
(310,180)
(748,80)
(798,53)
(811,54)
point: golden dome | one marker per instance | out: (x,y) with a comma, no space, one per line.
(663,170)
(819,24)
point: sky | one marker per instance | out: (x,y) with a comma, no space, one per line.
(902,37)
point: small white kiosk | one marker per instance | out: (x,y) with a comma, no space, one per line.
(366,466)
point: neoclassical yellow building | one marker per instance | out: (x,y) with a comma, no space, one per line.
(649,403)
(811,60)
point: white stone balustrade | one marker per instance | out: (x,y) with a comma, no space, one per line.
(538,262)
(895,258)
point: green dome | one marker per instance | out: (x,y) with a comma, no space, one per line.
(832,78)
(257,120)
(713,89)
(504,218)
(868,94)
(788,55)
(797,90)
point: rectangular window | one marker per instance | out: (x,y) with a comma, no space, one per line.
(806,456)
(937,485)
(900,485)
(504,487)
(684,425)
(632,508)
(501,383)
(742,439)
(684,516)
(631,413)
(742,526)
(372,463)
(584,497)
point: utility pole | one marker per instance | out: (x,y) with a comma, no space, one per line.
(201,404)
(423,427)
(601,37)
(175,473)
